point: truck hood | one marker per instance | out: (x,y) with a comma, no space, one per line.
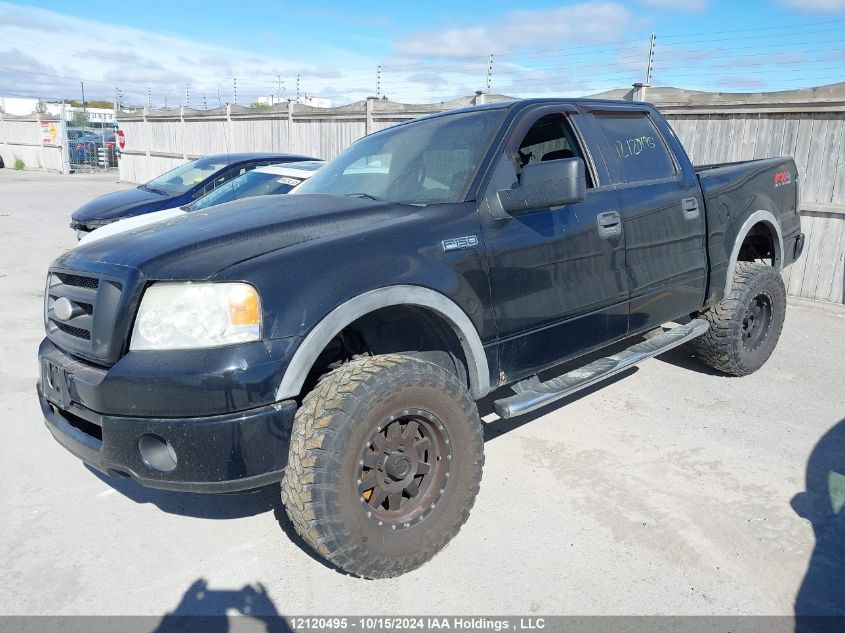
(199,244)
(118,204)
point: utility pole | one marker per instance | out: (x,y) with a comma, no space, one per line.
(651,42)
(378,82)
(187,95)
(278,88)
(489,72)
(297,86)
(235,93)
(84,109)
(149,99)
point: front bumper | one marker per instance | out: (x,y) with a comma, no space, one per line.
(221,453)
(213,410)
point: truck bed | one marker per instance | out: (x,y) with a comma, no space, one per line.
(732,193)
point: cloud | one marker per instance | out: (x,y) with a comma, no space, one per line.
(677,5)
(133,59)
(587,22)
(814,5)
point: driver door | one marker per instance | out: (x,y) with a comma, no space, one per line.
(557,279)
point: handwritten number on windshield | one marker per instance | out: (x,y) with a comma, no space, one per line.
(634,146)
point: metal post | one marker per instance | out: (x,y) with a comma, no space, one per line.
(651,42)
(149,99)
(84,109)
(63,135)
(235,93)
(188,95)
(378,82)
(297,86)
(489,72)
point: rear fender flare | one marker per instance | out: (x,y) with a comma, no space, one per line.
(758,217)
(320,336)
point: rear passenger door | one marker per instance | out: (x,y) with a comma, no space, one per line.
(662,217)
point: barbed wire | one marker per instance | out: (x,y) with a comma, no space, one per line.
(723,57)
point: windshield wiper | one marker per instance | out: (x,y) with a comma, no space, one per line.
(363,195)
(154,190)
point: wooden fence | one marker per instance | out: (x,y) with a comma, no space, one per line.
(20,139)
(807,124)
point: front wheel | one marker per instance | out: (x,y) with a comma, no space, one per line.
(746,325)
(384,465)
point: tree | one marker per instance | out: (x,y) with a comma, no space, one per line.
(258,104)
(91,104)
(79,119)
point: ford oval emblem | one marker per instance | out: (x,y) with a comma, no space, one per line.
(63,309)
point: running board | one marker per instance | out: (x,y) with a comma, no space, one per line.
(532,394)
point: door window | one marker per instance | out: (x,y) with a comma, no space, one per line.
(637,146)
(550,138)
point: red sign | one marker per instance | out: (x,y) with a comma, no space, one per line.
(121,140)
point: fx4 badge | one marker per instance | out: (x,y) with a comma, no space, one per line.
(457,243)
(782,178)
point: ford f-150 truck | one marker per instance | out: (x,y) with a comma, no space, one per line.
(337,339)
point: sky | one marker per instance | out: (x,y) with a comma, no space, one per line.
(205,54)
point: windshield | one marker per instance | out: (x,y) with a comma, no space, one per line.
(252,183)
(424,162)
(185,176)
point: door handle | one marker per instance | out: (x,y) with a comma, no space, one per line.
(690,208)
(609,224)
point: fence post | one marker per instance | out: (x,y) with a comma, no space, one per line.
(146,134)
(182,132)
(41,142)
(229,130)
(291,128)
(4,134)
(368,126)
(65,141)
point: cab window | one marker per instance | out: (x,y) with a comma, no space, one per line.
(636,146)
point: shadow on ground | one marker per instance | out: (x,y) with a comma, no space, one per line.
(823,504)
(204,610)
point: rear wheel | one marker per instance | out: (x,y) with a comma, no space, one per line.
(384,466)
(746,325)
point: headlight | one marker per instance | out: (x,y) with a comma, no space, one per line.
(194,315)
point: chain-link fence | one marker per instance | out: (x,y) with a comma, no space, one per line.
(91,145)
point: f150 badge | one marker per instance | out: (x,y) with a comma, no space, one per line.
(457,243)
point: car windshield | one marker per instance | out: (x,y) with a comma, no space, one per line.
(252,183)
(181,179)
(427,161)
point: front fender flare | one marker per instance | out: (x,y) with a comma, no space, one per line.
(320,336)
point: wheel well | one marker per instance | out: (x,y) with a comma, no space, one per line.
(404,329)
(758,245)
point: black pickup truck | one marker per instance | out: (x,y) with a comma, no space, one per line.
(337,339)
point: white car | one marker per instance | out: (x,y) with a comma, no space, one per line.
(261,181)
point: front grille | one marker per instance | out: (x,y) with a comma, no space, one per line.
(75,305)
(74,331)
(91,283)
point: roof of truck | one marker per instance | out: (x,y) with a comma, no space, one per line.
(522,103)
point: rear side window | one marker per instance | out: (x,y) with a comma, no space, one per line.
(636,145)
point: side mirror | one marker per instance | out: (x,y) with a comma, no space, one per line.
(552,183)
